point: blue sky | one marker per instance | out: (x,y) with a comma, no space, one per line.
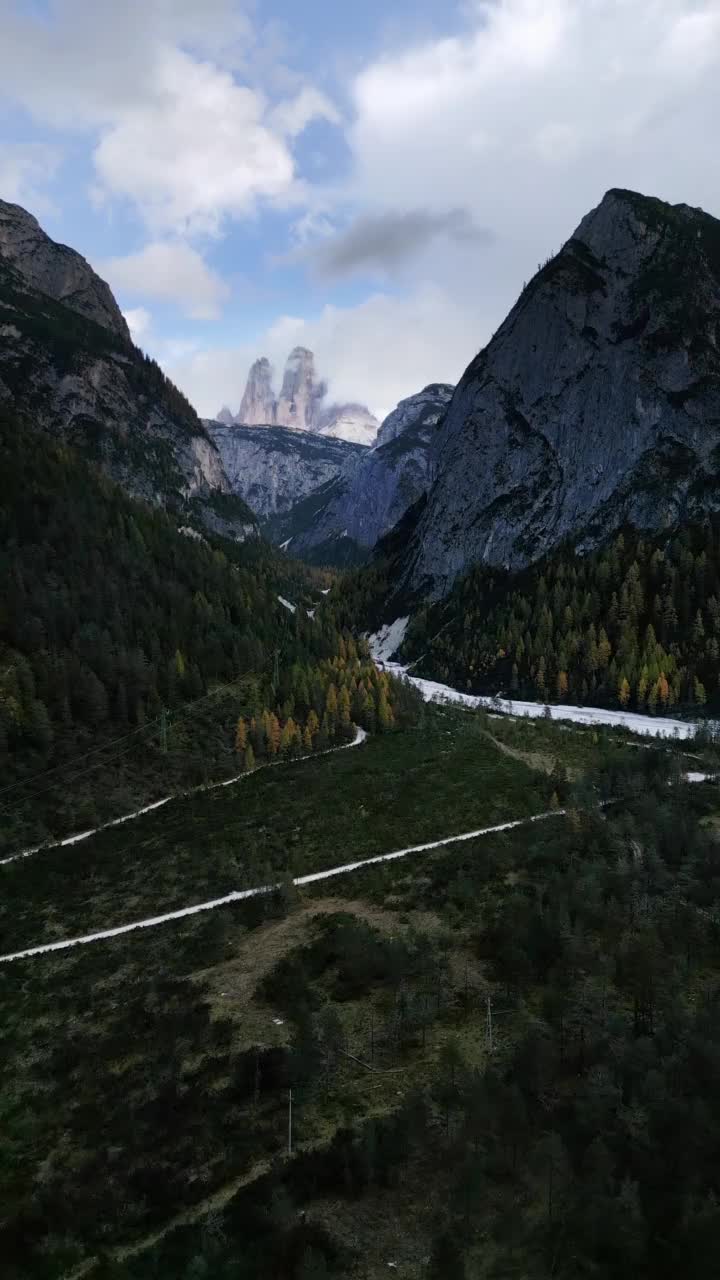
(375,180)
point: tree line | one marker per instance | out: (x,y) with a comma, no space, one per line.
(123,641)
(635,624)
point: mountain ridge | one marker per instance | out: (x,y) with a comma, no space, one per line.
(68,365)
(590,406)
(300,404)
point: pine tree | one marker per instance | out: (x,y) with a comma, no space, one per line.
(241,737)
(249,757)
(384,711)
(331,705)
(623,692)
(344,707)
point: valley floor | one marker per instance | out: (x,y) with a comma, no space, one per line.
(145,1098)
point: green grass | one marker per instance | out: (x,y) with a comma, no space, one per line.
(146,1077)
(396,790)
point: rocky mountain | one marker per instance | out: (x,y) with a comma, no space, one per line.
(425,409)
(68,366)
(301,393)
(273,468)
(596,403)
(343,521)
(258,406)
(56,270)
(301,402)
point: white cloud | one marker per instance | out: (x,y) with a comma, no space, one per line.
(197,152)
(139,322)
(524,120)
(431,341)
(527,118)
(25,169)
(295,114)
(179,136)
(173,272)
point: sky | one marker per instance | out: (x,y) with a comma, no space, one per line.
(375,181)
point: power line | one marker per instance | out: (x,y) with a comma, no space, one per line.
(187,709)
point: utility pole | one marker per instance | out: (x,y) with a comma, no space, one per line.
(289,1122)
(489,1025)
(163,731)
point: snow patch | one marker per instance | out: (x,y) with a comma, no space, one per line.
(385,642)
(647,726)
(284,545)
(287,604)
(191,533)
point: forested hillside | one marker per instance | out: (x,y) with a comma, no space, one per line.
(636,624)
(128,650)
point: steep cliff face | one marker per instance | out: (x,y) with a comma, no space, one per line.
(78,376)
(426,407)
(56,270)
(358,508)
(258,405)
(273,468)
(597,401)
(301,393)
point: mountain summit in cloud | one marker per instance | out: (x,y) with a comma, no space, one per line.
(301,403)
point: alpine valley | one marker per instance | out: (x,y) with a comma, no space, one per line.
(359,815)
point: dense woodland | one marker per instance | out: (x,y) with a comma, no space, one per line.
(636,624)
(577,1138)
(128,651)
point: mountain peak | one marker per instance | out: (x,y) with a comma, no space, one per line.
(595,404)
(257,407)
(301,403)
(57,270)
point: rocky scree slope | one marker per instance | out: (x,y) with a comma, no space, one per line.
(69,367)
(272,468)
(344,521)
(596,403)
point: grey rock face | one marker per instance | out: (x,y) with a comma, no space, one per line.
(64,372)
(300,394)
(427,405)
(390,478)
(596,403)
(56,270)
(258,403)
(272,468)
(226,416)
